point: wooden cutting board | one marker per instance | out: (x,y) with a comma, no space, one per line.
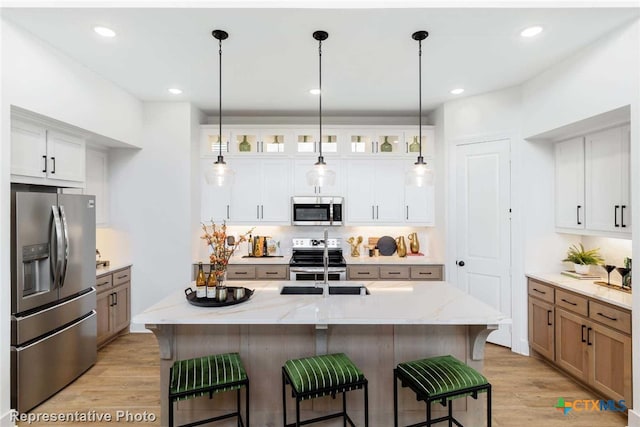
(373,242)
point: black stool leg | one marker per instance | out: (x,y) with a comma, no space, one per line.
(297,412)
(428,413)
(170,412)
(366,404)
(450,404)
(284,402)
(344,409)
(238,407)
(489,406)
(395,399)
(247,404)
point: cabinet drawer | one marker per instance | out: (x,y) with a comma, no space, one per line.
(426,272)
(271,272)
(241,272)
(104,282)
(540,290)
(610,316)
(394,272)
(121,276)
(363,272)
(572,302)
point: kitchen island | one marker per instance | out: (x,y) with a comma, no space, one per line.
(398,321)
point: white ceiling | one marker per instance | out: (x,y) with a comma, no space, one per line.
(270,61)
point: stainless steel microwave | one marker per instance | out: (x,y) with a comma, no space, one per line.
(321,210)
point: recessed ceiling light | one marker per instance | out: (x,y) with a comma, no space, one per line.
(314,91)
(175,91)
(531,31)
(104,31)
(457,91)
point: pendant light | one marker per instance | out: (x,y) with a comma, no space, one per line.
(220,174)
(420,174)
(320,175)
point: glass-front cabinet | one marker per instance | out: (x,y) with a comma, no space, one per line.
(252,141)
(374,141)
(210,141)
(306,141)
(412,142)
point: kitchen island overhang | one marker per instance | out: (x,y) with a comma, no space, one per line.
(398,321)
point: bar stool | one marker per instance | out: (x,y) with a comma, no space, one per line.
(209,374)
(442,379)
(317,376)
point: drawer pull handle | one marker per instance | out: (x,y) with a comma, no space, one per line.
(607,317)
(103,283)
(393,272)
(539,291)
(122,277)
(569,302)
(241,273)
(426,272)
(272,272)
(366,273)
(582,339)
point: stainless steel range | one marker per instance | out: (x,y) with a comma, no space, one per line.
(307,260)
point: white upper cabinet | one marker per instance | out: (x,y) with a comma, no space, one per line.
(215,201)
(412,141)
(97,183)
(569,176)
(607,160)
(302,188)
(267,141)
(210,140)
(40,155)
(307,141)
(419,203)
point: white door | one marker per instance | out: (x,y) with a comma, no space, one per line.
(569,166)
(484,226)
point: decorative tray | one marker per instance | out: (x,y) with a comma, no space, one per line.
(210,302)
(613,286)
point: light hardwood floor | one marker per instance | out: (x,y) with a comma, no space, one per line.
(126,378)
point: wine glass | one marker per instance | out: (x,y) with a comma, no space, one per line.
(623,272)
(609,268)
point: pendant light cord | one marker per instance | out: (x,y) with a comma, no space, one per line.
(320,97)
(220,99)
(420,98)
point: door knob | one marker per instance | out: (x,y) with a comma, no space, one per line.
(460,263)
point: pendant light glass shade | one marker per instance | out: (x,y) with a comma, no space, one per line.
(320,175)
(420,175)
(220,174)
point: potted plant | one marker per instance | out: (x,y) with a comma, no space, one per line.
(583,259)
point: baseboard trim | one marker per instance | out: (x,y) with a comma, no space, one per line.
(5,420)
(634,418)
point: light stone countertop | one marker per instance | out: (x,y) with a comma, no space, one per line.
(101,271)
(390,303)
(586,287)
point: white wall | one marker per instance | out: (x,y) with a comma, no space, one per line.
(602,77)
(151,204)
(597,79)
(43,80)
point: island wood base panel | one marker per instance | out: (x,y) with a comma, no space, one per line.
(375,349)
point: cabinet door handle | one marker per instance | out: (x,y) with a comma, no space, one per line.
(53,160)
(589,336)
(549,318)
(539,291)
(227,211)
(377,212)
(582,339)
(614,319)
(622,216)
(407,211)
(569,302)
(578,214)
(45,164)
(257,211)
(115,297)
(373,212)
(615,216)
(261,211)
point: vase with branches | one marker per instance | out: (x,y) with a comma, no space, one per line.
(221,247)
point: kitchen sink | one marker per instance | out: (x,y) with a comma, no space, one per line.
(312,290)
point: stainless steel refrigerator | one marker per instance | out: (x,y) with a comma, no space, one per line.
(53,301)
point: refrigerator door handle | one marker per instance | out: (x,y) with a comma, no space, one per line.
(65,233)
(57,261)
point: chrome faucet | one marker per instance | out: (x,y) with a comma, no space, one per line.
(325,264)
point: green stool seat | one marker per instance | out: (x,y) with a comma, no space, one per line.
(442,379)
(317,376)
(208,375)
